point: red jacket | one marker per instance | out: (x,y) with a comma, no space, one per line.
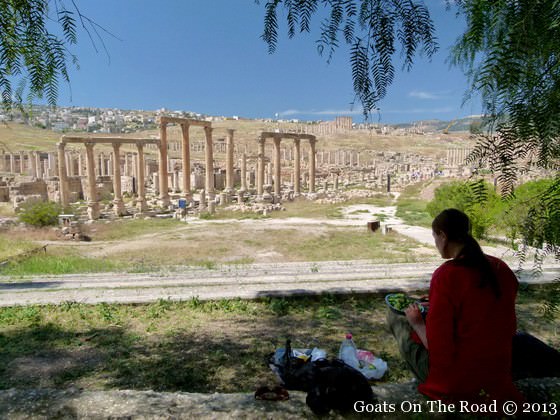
(469,333)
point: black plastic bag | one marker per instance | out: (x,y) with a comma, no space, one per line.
(330,384)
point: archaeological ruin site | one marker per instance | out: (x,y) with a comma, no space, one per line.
(186,178)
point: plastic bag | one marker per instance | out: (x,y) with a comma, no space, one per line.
(370,366)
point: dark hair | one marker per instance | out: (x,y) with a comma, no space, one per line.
(457,227)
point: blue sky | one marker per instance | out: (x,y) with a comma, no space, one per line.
(207,56)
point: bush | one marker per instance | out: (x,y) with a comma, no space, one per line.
(477,199)
(40,213)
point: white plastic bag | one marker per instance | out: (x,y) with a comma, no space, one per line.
(370,366)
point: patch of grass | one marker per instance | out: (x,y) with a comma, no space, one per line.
(208,264)
(337,244)
(380,216)
(59,264)
(359,211)
(7,210)
(130,228)
(236,215)
(312,209)
(11,247)
(241,261)
(199,346)
(412,209)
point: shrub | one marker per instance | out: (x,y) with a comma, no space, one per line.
(477,199)
(40,213)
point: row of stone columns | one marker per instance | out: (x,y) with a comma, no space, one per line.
(185,154)
(277,138)
(164,200)
(29,163)
(93,202)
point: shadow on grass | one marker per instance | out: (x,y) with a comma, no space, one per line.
(223,350)
(195,346)
(47,356)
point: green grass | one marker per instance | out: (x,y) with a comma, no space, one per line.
(312,209)
(12,247)
(338,244)
(58,264)
(199,346)
(130,228)
(7,210)
(411,208)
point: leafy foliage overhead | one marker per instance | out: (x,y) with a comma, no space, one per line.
(510,52)
(34,39)
(372,28)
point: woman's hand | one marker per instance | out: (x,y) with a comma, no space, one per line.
(414,315)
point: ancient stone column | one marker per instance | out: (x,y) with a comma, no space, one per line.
(21,165)
(312,165)
(100,170)
(80,165)
(33,162)
(260,167)
(93,204)
(125,164)
(134,158)
(69,164)
(297,167)
(110,164)
(62,176)
(53,164)
(243,173)
(209,184)
(38,169)
(118,201)
(277,169)
(141,201)
(163,174)
(176,188)
(202,202)
(12,163)
(186,155)
(229,161)
(268,178)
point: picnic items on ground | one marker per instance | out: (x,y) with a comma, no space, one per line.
(348,352)
(330,384)
(362,360)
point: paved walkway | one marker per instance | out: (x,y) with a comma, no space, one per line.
(246,281)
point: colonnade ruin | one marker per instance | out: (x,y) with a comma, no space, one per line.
(118,176)
(71,175)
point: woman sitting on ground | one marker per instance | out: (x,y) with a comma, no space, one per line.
(463,350)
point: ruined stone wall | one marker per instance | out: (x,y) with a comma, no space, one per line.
(36,188)
(4,193)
